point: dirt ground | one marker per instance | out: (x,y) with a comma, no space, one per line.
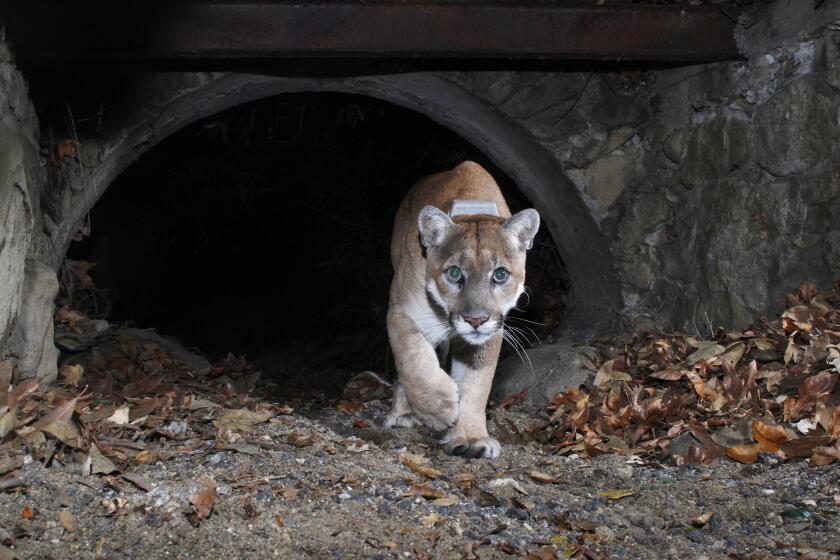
(328,482)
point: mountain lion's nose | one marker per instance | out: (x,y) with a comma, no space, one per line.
(476,322)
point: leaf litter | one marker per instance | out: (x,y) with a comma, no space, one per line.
(124,403)
(772,388)
(133,404)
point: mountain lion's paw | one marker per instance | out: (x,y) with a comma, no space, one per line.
(486,447)
(401,421)
(438,407)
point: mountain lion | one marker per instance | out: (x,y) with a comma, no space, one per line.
(456,276)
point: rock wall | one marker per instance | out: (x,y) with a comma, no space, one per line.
(718,186)
(27,286)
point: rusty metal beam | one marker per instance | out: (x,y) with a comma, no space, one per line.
(209,30)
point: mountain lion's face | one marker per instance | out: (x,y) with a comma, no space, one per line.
(475,267)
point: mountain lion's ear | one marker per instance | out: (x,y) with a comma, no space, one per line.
(523,226)
(434,226)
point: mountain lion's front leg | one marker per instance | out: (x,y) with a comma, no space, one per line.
(473,369)
(431,394)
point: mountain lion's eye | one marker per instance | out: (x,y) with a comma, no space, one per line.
(453,274)
(500,275)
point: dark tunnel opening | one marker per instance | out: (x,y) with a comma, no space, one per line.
(264,231)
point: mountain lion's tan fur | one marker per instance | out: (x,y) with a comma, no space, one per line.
(434,321)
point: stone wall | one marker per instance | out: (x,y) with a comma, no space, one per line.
(718,186)
(27,286)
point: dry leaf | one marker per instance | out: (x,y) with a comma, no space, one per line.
(97,463)
(7,371)
(204,502)
(703,519)
(825,455)
(431,519)
(139,481)
(739,433)
(803,447)
(144,456)
(7,421)
(517,398)
(20,390)
(463,477)
(120,416)
(61,413)
(242,419)
(545,478)
(349,407)
(769,435)
(814,385)
(668,374)
(65,148)
(69,317)
(615,494)
(447,501)
(196,404)
(416,464)
(71,374)
(67,521)
(744,453)
(734,353)
(608,373)
(366,386)
(425,491)
(707,351)
(64,432)
(300,440)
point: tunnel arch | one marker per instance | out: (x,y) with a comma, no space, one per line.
(170,102)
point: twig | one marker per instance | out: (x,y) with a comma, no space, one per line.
(14,482)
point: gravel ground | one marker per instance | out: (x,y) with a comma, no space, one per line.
(343,492)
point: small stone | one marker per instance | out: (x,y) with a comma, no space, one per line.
(654,522)
(215,458)
(176,427)
(696,536)
(604,532)
(674,146)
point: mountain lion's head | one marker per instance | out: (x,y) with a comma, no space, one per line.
(475,267)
